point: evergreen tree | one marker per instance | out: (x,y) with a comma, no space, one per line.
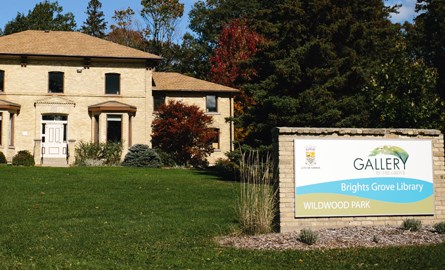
(402,94)
(427,37)
(95,24)
(316,60)
(45,16)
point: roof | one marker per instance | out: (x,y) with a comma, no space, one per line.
(7,105)
(114,106)
(172,81)
(62,43)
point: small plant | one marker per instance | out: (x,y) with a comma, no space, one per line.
(256,203)
(2,158)
(308,236)
(23,158)
(440,227)
(140,155)
(412,224)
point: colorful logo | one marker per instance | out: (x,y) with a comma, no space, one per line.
(310,155)
(391,151)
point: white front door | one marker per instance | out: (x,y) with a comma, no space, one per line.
(53,143)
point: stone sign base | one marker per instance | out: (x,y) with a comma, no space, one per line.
(285,173)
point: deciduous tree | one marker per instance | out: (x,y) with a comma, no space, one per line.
(184,132)
(124,30)
(231,64)
(161,17)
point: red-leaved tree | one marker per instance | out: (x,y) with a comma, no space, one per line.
(183,132)
(237,45)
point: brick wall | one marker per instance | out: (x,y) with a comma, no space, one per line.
(284,156)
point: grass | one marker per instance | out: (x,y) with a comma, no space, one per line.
(125,218)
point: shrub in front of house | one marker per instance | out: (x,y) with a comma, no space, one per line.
(112,152)
(226,168)
(98,154)
(184,132)
(2,158)
(166,159)
(23,158)
(140,155)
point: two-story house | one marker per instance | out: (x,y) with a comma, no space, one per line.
(59,88)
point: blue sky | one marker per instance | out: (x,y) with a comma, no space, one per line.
(9,10)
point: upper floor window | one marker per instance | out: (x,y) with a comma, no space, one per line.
(2,81)
(158,101)
(216,140)
(55,82)
(211,103)
(112,83)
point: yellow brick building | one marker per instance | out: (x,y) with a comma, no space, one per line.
(59,88)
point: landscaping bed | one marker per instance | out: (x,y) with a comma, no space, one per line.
(347,237)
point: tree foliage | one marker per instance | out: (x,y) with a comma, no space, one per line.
(427,37)
(316,60)
(231,64)
(125,32)
(237,44)
(95,23)
(183,132)
(402,93)
(207,19)
(161,17)
(140,155)
(45,16)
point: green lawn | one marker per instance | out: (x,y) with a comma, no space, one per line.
(121,218)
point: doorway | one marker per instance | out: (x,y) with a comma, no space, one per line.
(54,136)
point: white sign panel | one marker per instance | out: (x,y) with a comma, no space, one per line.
(356,177)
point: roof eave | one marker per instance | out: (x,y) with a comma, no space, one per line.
(234,91)
(83,56)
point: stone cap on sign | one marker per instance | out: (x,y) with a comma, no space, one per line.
(356,131)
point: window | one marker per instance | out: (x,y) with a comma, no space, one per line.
(54,117)
(215,142)
(112,83)
(211,103)
(55,82)
(114,128)
(96,129)
(11,130)
(158,100)
(43,132)
(2,81)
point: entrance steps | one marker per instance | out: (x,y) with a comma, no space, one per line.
(54,162)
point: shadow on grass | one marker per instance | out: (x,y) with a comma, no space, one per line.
(212,172)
